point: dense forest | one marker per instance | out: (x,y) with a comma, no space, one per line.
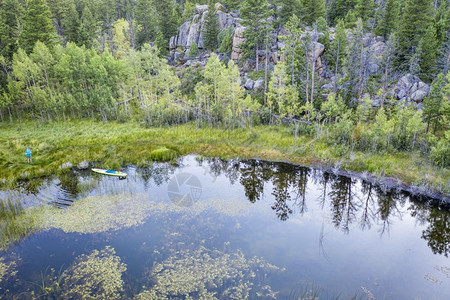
(367,75)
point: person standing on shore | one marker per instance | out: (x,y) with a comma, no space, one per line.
(28,154)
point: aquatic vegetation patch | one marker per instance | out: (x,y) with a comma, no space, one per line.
(208,274)
(114,212)
(7,269)
(94,276)
(99,214)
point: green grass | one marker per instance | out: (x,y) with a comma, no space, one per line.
(112,145)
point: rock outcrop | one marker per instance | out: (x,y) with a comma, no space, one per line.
(238,39)
(410,89)
(192,31)
(373,50)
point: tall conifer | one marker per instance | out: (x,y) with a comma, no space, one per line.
(38,26)
(211,29)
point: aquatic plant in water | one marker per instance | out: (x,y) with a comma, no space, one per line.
(114,212)
(94,276)
(208,274)
(7,269)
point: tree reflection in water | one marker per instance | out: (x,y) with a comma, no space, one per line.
(350,201)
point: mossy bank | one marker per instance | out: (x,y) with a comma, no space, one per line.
(59,146)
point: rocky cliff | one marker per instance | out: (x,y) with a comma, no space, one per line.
(409,88)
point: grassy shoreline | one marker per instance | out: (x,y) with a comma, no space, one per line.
(59,145)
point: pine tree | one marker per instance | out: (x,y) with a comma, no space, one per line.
(429,45)
(289,8)
(338,51)
(255,14)
(86,34)
(340,8)
(193,50)
(11,15)
(161,43)
(226,44)
(188,11)
(415,21)
(167,22)
(433,103)
(365,9)
(388,20)
(71,22)
(211,28)
(314,9)
(232,4)
(38,26)
(145,21)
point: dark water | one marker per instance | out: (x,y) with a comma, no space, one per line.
(330,234)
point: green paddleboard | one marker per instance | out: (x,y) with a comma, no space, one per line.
(109,172)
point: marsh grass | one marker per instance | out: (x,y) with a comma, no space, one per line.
(114,145)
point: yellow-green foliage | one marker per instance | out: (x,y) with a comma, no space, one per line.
(163,154)
(7,269)
(206,274)
(94,276)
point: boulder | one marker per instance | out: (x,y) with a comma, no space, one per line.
(317,51)
(225,20)
(249,84)
(259,84)
(378,48)
(201,8)
(376,101)
(219,7)
(418,96)
(327,86)
(83,165)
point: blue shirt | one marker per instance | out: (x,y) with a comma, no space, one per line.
(28,152)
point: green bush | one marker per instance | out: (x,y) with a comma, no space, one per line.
(440,154)
(163,154)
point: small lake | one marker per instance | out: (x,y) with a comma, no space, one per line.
(211,228)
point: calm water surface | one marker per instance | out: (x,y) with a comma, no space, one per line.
(326,233)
